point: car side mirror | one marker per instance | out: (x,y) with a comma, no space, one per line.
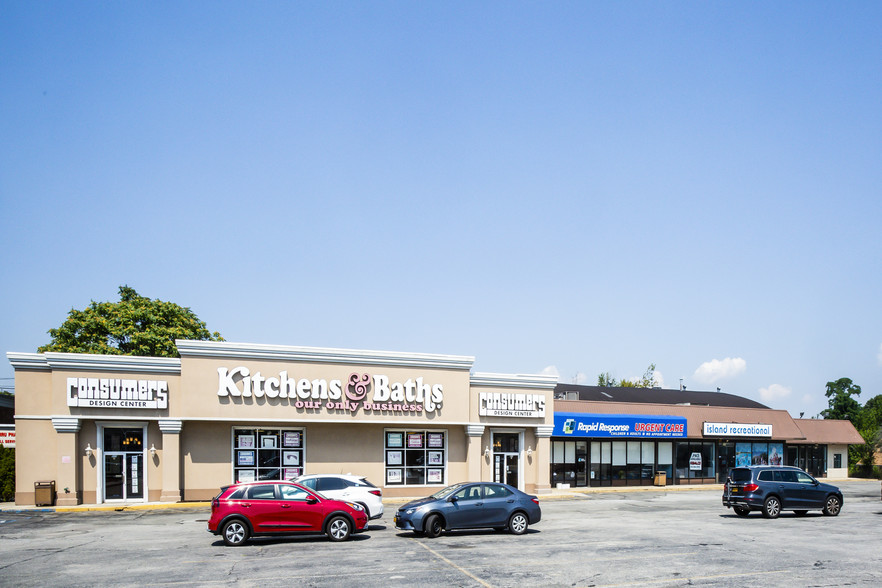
(312,500)
(451,499)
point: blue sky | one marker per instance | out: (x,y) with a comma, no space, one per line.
(570,188)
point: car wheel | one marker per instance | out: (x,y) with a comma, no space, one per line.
(832,506)
(433,526)
(800,513)
(741,511)
(772,507)
(339,529)
(235,533)
(517,524)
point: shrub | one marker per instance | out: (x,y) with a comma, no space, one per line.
(7,474)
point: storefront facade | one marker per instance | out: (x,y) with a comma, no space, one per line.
(629,444)
(132,429)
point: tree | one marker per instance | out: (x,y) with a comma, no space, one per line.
(647,381)
(841,403)
(869,425)
(133,326)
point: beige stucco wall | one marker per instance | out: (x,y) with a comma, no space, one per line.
(837,472)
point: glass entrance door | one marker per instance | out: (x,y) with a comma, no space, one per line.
(506,456)
(123,464)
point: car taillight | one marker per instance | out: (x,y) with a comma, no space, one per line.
(534,499)
(751,488)
(376,492)
(726,487)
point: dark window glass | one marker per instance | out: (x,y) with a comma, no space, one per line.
(740,475)
(263,492)
(325,484)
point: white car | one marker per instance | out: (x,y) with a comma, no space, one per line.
(347,487)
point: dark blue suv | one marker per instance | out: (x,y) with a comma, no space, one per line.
(771,489)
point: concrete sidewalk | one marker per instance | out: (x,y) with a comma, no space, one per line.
(555,494)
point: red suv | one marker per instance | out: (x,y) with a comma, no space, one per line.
(250,509)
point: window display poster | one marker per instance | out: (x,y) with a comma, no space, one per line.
(776,454)
(292,473)
(291,439)
(436,458)
(742,454)
(394,439)
(246,476)
(393,476)
(291,458)
(414,440)
(245,458)
(435,440)
(393,458)
(268,441)
(246,441)
(760,454)
(435,476)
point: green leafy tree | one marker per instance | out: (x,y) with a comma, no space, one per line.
(869,425)
(841,402)
(7,474)
(133,326)
(647,381)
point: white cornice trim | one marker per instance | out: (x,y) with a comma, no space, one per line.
(66,424)
(94,362)
(27,361)
(226,349)
(113,363)
(513,380)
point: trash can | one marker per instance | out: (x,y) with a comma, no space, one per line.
(44,493)
(661,479)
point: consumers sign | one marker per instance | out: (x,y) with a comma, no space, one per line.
(737,430)
(574,424)
(114,393)
(511,405)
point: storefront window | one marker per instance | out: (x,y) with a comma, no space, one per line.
(415,458)
(695,460)
(666,459)
(569,463)
(268,454)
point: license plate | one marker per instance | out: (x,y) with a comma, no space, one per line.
(734,490)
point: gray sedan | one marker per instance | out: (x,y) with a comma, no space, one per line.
(470,505)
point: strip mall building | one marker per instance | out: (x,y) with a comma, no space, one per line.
(109,429)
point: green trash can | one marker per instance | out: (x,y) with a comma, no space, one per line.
(44,493)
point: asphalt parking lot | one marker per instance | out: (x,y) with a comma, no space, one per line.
(649,538)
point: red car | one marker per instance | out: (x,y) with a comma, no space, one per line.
(245,510)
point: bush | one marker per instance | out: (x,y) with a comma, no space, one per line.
(7,474)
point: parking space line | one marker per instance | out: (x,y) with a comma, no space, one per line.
(453,565)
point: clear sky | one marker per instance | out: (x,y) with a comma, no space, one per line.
(555,187)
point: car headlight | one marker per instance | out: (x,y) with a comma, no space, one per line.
(410,511)
(355,506)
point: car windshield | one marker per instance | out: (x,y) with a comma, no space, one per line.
(446,491)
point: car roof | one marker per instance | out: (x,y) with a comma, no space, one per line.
(346,476)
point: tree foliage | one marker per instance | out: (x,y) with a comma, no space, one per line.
(133,326)
(841,402)
(647,381)
(7,474)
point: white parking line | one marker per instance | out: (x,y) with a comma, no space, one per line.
(453,565)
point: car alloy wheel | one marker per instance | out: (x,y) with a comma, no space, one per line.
(235,533)
(771,507)
(433,526)
(832,506)
(517,524)
(338,529)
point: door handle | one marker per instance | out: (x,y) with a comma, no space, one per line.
(510,501)
(286,506)
(246,505)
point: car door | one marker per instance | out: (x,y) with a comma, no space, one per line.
(299,510)
(499,501)
(261,507)
(788,489)
(465,508)
(809,490)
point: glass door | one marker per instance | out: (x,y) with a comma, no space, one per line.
(123,464)
(506,458)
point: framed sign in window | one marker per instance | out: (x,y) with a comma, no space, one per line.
(394,439)
(414,440)
(291,439)
(245,458)
(436,458)
(434,476)
(435,440)
(245,441)
(393,476)
(291,458)
(393,458)
(245,476)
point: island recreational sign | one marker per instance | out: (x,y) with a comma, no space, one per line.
(361,391)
